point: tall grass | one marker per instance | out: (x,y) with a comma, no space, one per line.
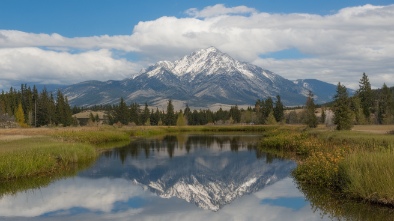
(40,156)
(369,176)
(358,164)
(94,137)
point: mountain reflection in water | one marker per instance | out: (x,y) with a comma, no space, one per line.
(165,178)
(209,171)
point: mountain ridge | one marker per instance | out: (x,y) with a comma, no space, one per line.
(200,79)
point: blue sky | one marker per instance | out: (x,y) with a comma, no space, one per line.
(69,41)
(74,18)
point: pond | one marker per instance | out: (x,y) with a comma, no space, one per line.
(174,177)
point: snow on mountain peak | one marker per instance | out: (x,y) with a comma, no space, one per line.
(205,61)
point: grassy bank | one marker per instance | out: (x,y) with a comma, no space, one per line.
(36,156)
(45,151)
(357,164)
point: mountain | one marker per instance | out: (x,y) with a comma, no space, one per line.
(201,79)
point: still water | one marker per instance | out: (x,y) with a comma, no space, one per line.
(180,177)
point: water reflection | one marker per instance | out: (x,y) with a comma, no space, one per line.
(146,181)
(335,207)
(209,171)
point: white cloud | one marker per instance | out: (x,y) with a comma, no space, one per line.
(47,66)
(339,46)
(219,9)
(100,198)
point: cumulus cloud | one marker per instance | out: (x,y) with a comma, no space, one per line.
(54,67)
(337,47)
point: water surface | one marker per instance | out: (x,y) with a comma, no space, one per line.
(183,177)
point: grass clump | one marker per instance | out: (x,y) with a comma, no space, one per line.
(356,164)
(94,137)
(369,176)
(40,156)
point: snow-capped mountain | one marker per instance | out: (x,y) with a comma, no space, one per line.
(203,78)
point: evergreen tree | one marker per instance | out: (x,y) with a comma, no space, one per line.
(122,113)
(235,114)
(187,114)
(323,115)
(268,108)
(342,111)
(60,108)
(43,108)
(134,115)
(155,117)
(365,94)
(358,113)
(145,116)
(170,118)
(278,110)
(385,106)
(310,118)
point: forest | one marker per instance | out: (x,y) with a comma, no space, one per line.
(28,107)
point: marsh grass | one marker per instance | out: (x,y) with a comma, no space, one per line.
(369,176)
(358,164)
(95,137)
(158,130)
(39,156)
(36,182)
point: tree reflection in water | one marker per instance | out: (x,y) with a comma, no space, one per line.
(337,208)
(170,143)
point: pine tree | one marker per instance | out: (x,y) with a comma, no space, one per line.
(385,106)
(122,113)
(170,118)
(342,111)
(145,116)
(310,118)
(134,115)
(365,94)
(278,110)
(235,114)
(268,108)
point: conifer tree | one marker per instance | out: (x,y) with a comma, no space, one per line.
(122,113)
(134,115)
(365,94)
(278,110)
(145,116)
(385,106)
(342,111)
(170,118)
(310,118)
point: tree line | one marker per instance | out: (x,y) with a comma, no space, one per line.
(29,107)
(366,106)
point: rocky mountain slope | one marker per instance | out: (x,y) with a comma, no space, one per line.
(201,79)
